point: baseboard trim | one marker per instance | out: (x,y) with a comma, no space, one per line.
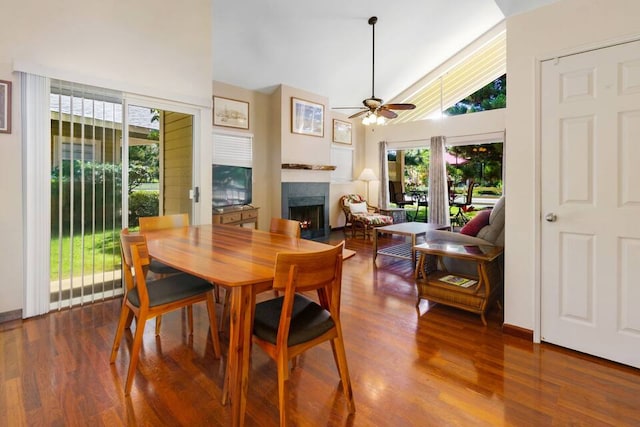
(8,316)
(517,331)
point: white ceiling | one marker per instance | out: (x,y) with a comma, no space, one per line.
(324,47)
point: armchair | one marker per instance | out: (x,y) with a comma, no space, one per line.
(360,215)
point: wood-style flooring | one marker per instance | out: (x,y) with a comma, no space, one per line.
(435,366)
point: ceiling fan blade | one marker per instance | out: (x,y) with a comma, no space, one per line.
(387,113)
(347,108)
(358,114)
(399,106)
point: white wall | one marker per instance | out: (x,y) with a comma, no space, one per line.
(157,50)
(569,25)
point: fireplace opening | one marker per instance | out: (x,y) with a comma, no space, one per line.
(307,202)
(311,220)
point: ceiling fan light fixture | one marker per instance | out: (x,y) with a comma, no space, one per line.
(373,118)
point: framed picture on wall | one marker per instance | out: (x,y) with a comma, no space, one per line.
(230,113)
(5,106)
(307,118)
(341,132)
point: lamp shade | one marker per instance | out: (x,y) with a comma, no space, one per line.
(367,175)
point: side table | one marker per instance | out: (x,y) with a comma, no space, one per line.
(399,215)
(481,290)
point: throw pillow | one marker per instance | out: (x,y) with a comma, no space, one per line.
(477,223)
(358,208)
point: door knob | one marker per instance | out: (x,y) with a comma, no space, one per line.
(551,217)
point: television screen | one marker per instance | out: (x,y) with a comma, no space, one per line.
(231,185)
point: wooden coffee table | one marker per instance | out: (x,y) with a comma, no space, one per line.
(403,250)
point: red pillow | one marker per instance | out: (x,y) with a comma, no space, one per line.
(477,223)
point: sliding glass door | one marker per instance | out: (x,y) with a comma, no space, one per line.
(86,193)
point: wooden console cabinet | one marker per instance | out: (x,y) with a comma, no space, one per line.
(236,216)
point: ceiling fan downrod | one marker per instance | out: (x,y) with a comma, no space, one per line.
(372,22)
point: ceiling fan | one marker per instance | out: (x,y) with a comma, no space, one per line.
(374,109)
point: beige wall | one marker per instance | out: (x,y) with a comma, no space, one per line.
(566,26)
(260,123)
(274,144)
(162,52)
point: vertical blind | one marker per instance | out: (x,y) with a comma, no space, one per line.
(86,193)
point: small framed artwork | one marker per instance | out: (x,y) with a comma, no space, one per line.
(230,113)
(307,118)
(341,132)
(5,106)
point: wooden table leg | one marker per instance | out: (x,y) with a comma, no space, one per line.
(375,244)
(242,301)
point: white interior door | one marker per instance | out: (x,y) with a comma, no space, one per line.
(590,203)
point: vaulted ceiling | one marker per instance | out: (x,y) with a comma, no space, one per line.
(325,47)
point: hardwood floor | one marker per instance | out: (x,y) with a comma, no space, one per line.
(439,368)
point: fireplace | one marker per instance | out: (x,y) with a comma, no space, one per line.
(308,203)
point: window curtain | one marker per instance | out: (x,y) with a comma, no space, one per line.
(438,191)
(36,172)
(383,198)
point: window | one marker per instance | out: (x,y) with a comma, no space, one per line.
(87,150)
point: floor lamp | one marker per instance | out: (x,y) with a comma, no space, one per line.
(367,176)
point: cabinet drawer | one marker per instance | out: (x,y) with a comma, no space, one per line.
(230,217)
(249,214)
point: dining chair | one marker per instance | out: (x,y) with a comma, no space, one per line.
(287,326)
(150,223)
(145,302)
(287,227)
(462,203)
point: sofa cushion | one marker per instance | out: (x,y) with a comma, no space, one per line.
(494,232)
(373,219)
(476,224)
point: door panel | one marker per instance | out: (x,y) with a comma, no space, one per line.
(590,248)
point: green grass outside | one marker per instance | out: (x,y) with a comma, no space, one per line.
(101,253)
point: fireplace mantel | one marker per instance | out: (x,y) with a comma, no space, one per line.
(308,167)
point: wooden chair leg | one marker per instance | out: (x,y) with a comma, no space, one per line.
(129,320)
(283,384)
(226,309)
(190,318)
(341,360)
(135,351)
(158,324)
(211,310)
(122,323)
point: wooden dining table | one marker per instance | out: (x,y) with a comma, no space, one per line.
(243,261)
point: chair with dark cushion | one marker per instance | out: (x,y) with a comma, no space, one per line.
(145,302)
(462,203)
(396,195)
(159,269)
(287,326)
